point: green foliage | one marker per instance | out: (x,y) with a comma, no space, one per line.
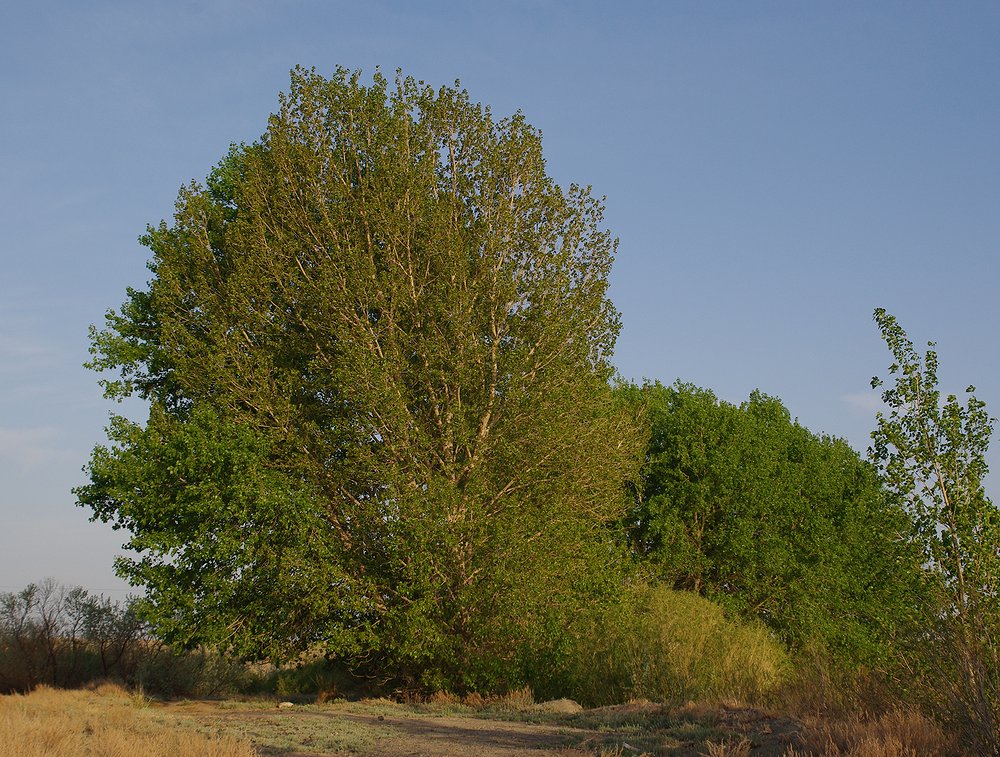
(932,454)
(376,350)
(744,505)
(200,492)
(670,646)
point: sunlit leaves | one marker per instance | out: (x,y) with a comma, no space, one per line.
(932,453)
(386,327)
(745,505)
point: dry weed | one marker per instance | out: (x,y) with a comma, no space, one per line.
(443,699)
(900,733)
(106,721)
(734,748)
(518,699)
(603,751)
(474,700)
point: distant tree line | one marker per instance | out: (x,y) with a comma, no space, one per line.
(65,636)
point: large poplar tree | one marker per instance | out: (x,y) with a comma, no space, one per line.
(375,346)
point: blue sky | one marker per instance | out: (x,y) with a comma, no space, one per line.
(774,171)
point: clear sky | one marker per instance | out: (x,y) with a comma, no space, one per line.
(774,170)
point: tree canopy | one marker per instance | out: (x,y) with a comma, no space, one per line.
(744,505)
(375,346)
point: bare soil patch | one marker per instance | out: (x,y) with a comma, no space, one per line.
(444,736)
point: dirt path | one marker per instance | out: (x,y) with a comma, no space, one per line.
(329,730)
(384,729)
(448,735)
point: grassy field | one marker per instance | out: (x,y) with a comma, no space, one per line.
(105,721)
(108,721)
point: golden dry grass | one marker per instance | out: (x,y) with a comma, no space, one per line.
(108,721)
(739,747)
(900,733)
(105,721)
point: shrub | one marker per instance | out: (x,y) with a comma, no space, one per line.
(670,646)
(62,636)
(201,672)
(314,678)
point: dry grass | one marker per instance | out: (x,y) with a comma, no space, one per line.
(517,700)
(900,733)
(739,747)
(108,721)
(105,721)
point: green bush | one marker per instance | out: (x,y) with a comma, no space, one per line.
(201,672)
(743,504)
(320,677)
(670,646)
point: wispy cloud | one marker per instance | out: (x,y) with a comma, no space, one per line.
(23,348)
(867,402)
(32,366)
(22,354)
(15,347)
(32,447)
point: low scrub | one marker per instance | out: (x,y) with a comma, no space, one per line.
(898,733)
(104,721)
(673,647)
(58,636)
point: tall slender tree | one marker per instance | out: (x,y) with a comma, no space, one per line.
(932,453)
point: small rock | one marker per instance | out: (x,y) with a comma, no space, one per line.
(285,705)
